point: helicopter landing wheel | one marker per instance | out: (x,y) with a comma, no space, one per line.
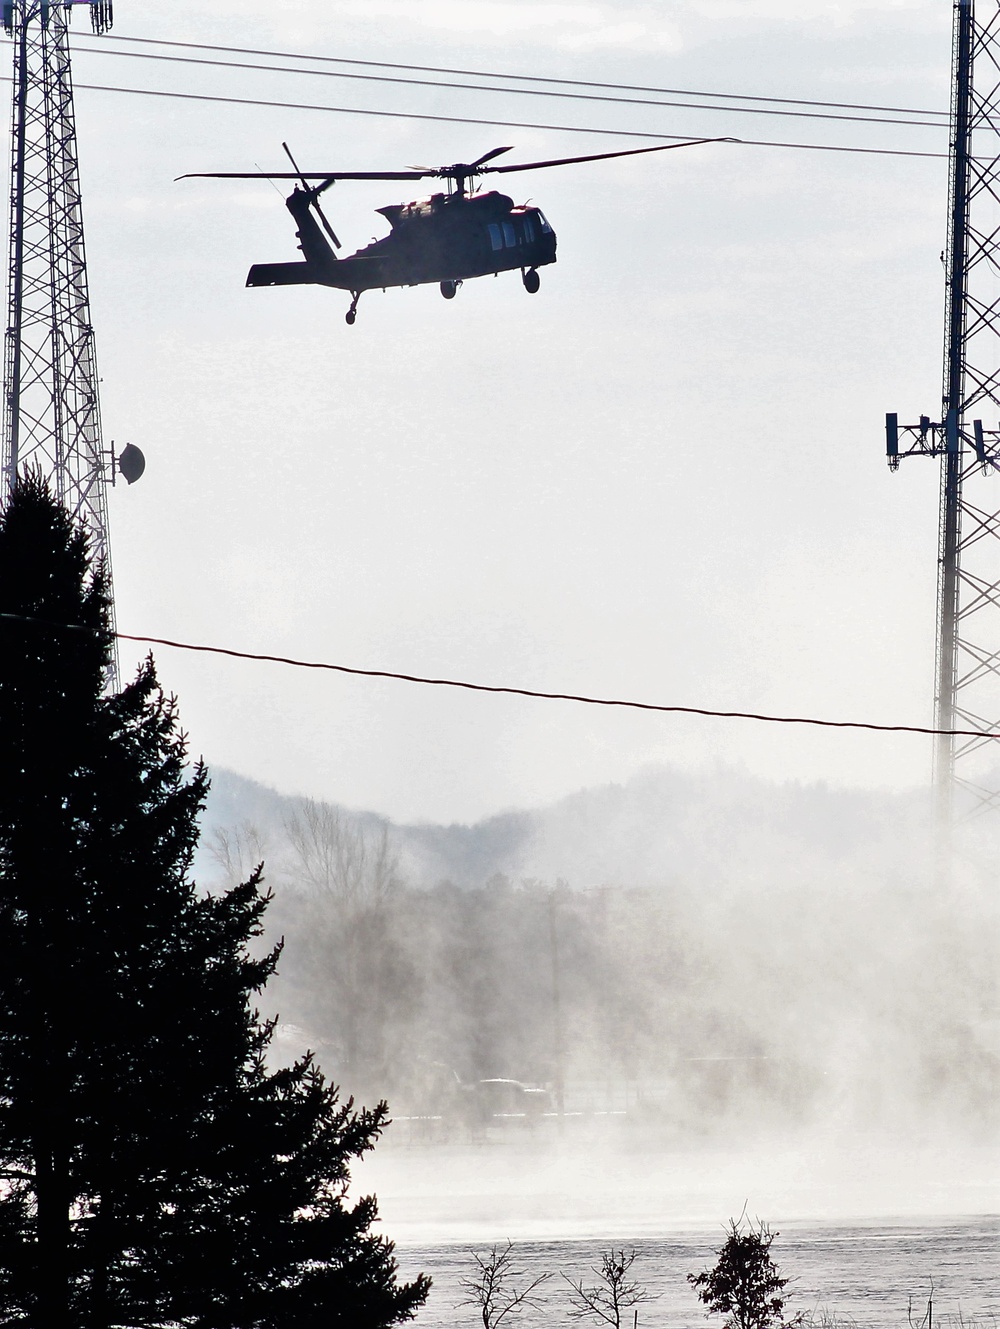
(352,313)
(449,289)
(531,280)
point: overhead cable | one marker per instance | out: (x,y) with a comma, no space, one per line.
(495,124)
(520,78)
(556,696)
(504,690)
(521,92)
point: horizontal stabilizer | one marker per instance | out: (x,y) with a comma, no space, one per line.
(281,274)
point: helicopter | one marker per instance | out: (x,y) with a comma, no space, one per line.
(447,238)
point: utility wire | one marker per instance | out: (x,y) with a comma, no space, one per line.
(557,696)
(495,124)
(522,78)
(521,92)
(508,691)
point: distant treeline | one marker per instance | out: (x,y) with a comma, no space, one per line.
(694,1009)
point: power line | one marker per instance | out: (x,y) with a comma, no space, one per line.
(495,124)
(552,696)
(395,676)
(523,78)
(521,92)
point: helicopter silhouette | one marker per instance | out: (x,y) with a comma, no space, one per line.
(447,238)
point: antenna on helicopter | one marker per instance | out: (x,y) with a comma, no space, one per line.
(314,196)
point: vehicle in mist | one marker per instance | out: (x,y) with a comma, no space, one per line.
(499,1099)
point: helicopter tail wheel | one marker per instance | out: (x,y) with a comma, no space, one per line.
(531,280)
(352,313)
(449,289)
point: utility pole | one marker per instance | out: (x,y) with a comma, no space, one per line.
(558,1031)
(967,667)
(52,414)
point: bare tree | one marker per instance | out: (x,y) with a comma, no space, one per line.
(238,850)
(358,978)
(339,856)
(491,1287)
(613,1293)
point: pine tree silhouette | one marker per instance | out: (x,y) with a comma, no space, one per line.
(153,1170)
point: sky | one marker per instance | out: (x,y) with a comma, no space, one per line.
(660,478)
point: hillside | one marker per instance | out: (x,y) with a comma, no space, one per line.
(660,827)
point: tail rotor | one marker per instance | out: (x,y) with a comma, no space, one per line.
(314,193)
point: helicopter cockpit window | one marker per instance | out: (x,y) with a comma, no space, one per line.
(496,239)
(529,231)
(509,235)
(545,226)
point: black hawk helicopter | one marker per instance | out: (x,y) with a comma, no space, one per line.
(447,238)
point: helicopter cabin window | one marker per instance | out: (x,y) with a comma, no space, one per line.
(496,239)
(509,235)
(529,231)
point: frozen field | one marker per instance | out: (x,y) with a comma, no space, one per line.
(865,1224)
(866,1274)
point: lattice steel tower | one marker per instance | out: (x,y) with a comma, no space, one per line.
(967,690)
(52,415)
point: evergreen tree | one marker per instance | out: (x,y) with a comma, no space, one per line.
(153,1171)
(745,1285)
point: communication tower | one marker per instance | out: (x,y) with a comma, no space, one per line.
(967,674)
(52,415)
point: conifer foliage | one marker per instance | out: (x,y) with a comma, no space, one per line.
(745,1287)
(153,1171)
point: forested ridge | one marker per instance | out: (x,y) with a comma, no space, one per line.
(781,980)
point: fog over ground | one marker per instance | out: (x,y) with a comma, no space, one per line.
(730,987)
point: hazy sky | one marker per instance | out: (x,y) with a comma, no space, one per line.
(662,477)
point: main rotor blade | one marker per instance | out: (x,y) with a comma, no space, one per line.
(427,173)
(601,156)
(488,156)
(306,175)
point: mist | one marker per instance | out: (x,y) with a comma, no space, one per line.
(680,963)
